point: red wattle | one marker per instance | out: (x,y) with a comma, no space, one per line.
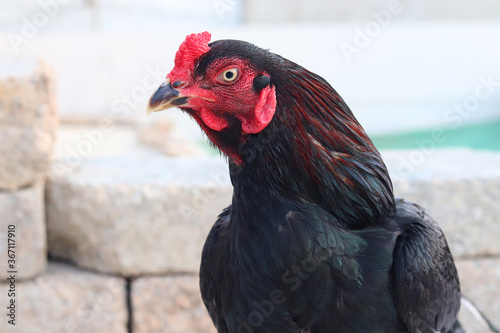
(212,121)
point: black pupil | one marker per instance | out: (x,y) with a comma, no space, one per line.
(229,75)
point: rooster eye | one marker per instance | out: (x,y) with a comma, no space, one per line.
(230,75)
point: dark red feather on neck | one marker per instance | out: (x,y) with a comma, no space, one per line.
(315,147)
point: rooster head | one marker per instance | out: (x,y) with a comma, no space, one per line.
(226,92)
(280,125)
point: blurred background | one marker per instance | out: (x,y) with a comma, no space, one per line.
(405,68)
(110,228)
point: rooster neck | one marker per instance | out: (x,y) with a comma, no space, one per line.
(314,150)
(356,189)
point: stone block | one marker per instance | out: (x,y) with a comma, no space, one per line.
(480,282)
(28,124)
(66,299)
(134,216)
(24,211)
(169,304)
(171,137)
(459,188)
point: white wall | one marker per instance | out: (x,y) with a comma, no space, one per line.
(411,72)
(359,10)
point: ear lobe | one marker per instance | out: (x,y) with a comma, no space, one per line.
(263,113)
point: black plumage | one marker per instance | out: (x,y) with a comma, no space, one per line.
(314,240)
(275,266)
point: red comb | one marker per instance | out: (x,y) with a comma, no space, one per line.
(192,48)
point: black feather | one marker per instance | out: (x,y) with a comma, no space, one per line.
(314,240)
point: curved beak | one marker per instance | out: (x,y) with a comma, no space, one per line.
(165,97)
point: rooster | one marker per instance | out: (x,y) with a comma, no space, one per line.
(314,240)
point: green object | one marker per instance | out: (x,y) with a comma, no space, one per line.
(478,136)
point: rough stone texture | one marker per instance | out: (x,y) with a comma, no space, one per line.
(459,188)
(480,282)
(136,215)
(173,304)
(132,216)
(169,304)
(28,124)
(65,299)
(24,209)
(165,135)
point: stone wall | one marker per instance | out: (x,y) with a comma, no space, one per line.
(134,217)
(129,232)
(28,124)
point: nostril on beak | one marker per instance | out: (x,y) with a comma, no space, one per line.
(178,84)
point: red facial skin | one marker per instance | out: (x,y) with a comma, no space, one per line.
(215,102)
(222,107)
(214,99)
